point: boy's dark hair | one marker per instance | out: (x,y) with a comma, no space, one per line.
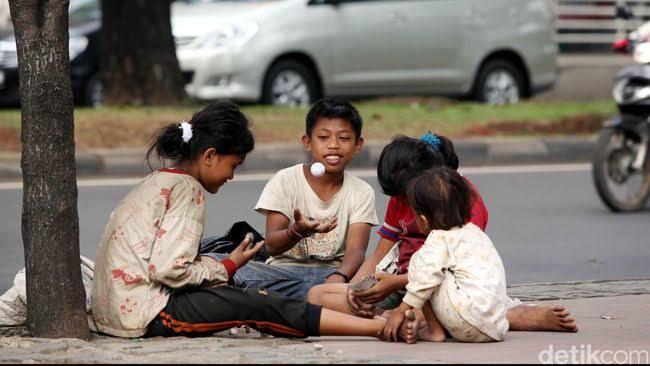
(403,159)
(333,108)
(443,196)
(220,125)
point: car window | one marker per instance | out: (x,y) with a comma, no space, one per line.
(347,1)
(83,11)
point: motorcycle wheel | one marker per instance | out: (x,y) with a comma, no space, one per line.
(619,187)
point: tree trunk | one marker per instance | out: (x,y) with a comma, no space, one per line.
(139,64)
(50,223)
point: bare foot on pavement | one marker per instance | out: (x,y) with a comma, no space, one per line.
(432,335)
(541,318)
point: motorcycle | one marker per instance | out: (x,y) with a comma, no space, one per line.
(621,166)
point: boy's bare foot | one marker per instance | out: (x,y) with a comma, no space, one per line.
(541,318)
(427,332)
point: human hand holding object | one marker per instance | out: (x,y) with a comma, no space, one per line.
(386,284)
(244,252)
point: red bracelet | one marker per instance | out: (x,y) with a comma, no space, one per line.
(290,235)
(297,235)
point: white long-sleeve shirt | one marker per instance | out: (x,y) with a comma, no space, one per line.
(478,288)
(150,245)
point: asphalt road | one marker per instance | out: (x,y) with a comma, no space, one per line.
(546,221)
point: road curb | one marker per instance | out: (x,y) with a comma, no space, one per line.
(275,156)
(578,289)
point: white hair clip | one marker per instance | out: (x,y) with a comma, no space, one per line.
(187,131)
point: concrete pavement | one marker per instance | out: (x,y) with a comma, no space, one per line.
(272,157)
(611,329)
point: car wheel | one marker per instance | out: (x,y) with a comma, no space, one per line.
(93,97)
(291,84)
(499,82)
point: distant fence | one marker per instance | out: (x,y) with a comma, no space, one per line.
(596,24)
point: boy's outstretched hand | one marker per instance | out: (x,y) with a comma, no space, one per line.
(242,254)
(307,227)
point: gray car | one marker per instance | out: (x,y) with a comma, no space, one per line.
(291,52)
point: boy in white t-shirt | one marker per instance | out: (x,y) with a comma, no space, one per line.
(317,228)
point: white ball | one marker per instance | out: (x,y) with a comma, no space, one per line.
(317,169)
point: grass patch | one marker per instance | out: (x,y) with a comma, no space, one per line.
(111,127)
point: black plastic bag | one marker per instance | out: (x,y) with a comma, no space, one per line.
(235,235)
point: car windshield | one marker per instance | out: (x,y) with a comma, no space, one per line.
(83,11)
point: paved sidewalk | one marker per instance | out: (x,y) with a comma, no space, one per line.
(272,157)
(617,323)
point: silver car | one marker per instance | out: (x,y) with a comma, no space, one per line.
(291,52)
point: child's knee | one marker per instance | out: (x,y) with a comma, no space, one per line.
(315,293)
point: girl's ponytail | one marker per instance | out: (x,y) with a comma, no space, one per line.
(220,125)
(169,145)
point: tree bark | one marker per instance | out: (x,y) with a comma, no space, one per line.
(50,223)
(139,64)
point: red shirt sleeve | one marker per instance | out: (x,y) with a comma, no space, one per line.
(231,267)
(479,210)
(390,229)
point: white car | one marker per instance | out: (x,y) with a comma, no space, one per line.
(291,52)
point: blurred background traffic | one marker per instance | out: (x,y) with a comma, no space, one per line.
(291,52)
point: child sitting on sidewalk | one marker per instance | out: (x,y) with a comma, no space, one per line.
(317,227)
(149,279)
(400,161)
(458,273)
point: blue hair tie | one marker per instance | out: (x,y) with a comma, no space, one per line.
(432,139)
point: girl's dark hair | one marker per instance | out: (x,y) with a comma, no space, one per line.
(333,108)
(443,196)
(403,159)
(446,149)
(220,125)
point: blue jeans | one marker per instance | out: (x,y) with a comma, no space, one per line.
(290,281)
